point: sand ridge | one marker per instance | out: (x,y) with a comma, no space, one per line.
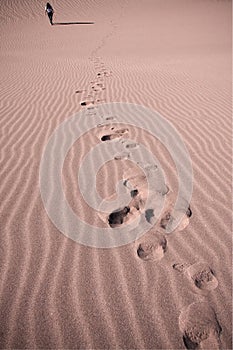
(162,291)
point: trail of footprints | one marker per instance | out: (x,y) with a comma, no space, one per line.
(200,275)
(197,322)
(94,94)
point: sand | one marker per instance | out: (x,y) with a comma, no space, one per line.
(163,291)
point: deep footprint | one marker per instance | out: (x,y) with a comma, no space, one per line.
(116,218)
(152,249)
(202,276)
(86,103)
(149,214)
(117,134)
(200,327)
(134,193)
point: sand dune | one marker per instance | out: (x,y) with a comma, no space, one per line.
(162,291)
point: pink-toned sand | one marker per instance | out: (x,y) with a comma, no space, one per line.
(173,57)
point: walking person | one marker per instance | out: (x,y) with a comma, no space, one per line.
(49,10)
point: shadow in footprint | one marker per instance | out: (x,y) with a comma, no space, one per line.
(189,212)
(134,193)
(79,91)
(86,103)
(70,23)
(106,138)
(116,218)
(117,134)
(149,214)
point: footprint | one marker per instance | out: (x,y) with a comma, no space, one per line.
(151,167)
(200,327)
(137,180)
(180,267)
(152,248)
(132,145)
(200,275)
(134,193)
(95,89)
(138,201)
(86,103)
(162,188)
(103,125)
(124,214)
(166,219)
(149,214)
(116,218)
(90,102)
(79,91)
(98,100)
(107,137)
(147,173)
(123,155)
(97,86)
(169,217)
(117,134)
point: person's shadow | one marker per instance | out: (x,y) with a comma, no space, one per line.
(70,23)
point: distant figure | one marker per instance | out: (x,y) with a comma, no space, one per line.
(49,11)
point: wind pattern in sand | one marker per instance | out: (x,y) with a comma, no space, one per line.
(163,291)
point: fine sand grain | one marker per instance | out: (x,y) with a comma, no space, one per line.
(163,291)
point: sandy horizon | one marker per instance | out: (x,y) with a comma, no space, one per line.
(129,71)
